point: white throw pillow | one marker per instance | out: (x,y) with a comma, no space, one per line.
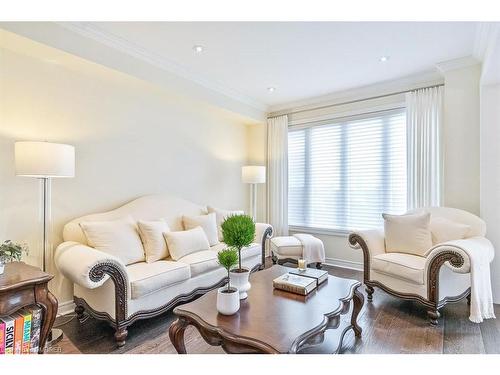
(206,222)
(186,242)
(408,233)
(447,230)
(220,216)
(118,237)
(154,243)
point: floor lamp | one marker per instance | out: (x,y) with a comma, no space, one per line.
(253,175)
(44,160)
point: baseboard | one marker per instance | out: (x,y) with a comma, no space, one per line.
(65,308)
(357,266)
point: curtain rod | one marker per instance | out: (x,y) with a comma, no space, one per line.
(352,101)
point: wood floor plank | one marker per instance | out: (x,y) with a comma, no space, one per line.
(490,332)
(390,325)
(461,335)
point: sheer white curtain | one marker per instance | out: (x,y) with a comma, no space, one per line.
(277,193)
(424,114)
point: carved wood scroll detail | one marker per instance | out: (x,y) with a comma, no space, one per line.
(268,233)
(456,260)
(356,239)
(119,279)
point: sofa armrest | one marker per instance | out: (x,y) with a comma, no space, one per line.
(86,266)
(369,240)
(372,242)
(455,254)
(263,232)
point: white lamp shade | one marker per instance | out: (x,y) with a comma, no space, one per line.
(253,174)
(44,159)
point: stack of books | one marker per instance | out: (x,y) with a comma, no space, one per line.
(300,281)
(20,332)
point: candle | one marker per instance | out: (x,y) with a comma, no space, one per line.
(302,264)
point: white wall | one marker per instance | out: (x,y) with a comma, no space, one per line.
(461,138)
(490,174)
(131,139)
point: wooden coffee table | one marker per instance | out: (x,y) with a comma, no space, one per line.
(273,321)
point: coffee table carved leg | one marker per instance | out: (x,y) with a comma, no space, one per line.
(49,311)
(176,334)
(358,300)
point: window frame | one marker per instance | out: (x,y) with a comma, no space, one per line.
(324,120)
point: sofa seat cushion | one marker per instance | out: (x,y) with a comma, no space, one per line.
(206,260)
(403,266)
(146,278)
(247,252)
(286,246)
(201,261)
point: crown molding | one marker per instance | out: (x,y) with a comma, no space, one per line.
(462,62)
(412,82)
(94,32)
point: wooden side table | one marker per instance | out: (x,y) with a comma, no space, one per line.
(22,285)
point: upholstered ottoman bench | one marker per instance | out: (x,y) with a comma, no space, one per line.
(289,249)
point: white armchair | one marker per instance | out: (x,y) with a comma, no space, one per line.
(439,277)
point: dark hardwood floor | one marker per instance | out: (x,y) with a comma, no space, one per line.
(390,325)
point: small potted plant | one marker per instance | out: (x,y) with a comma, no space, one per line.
(228,299)
(11,251)
(238,232)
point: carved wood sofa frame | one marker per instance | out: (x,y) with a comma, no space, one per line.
(432,301)
(120,321)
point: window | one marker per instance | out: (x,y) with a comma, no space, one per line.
(344,173)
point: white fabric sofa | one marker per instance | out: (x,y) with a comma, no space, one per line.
(439,277)
(119,294)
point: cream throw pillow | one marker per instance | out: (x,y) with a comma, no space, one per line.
(118,237)
(220,216)
(407,233)
(446,230)
(154,243)
(186,242)
(206,222)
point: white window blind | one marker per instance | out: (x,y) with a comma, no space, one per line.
(344,173)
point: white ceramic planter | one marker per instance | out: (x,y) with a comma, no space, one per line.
(2,267)
(228,303)
(240,281)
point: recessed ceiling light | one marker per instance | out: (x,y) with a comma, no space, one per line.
(271,89)
(383,58)
(197,48)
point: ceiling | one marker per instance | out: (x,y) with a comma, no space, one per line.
(299,59)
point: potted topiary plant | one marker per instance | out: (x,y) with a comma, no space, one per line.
(238,231)
(11,251)
(228,299)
